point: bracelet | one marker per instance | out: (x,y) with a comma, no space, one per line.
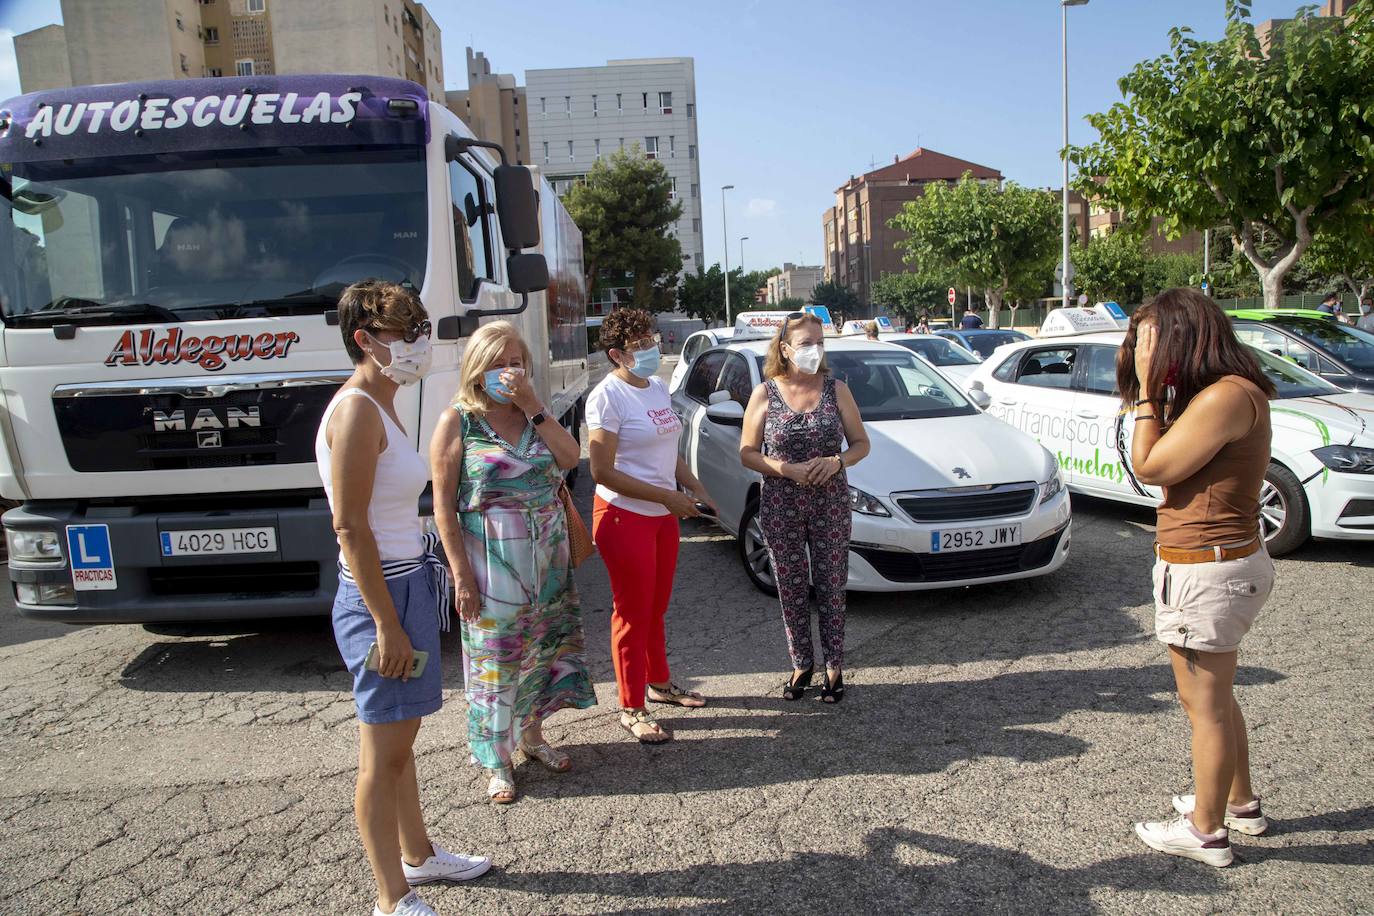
(1146,416)
(1149,401)
(840,460)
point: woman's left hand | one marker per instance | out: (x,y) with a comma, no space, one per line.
(522,393)
(819,470)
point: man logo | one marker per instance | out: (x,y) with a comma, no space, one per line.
(209,438)
(206,419)
(962,474)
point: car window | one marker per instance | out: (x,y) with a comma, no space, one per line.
(1007,371)
(894,385)
(735,379)
(1099,370)
(1274,341)
(1047,368)
(701,380)
(939,352)
(1354,347)
(985,342)
(695,344)
(1290,380)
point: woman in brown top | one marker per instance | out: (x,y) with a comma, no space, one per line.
(1202,433)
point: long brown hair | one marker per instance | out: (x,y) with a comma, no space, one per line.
(776,363)
(1195,346)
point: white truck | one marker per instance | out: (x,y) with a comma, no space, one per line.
(171,255)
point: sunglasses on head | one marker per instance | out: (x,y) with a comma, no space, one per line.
(789,318)
(412,333)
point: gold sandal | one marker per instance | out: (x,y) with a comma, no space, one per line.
(501,786)
(552,758)
(675,696)
(631,718)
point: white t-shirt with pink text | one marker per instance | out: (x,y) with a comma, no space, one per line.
(648,432)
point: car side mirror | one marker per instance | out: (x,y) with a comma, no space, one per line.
(980,398)
(718,397)
(726,413)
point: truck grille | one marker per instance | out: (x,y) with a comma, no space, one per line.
(899,566)
(940,506)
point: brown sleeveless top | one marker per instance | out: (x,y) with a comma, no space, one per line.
(1219,505)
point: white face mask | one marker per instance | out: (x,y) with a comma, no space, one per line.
(808,358)
(409,361)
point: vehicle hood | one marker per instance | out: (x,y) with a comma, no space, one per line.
(1337,419)
(960,373)
(925,455)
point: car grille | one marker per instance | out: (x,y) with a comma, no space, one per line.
(900,566)
(236,579)
(969,506)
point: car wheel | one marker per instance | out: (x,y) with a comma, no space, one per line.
(1283,511)
(753,552)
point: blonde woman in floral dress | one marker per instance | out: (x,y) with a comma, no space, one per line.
(497,458)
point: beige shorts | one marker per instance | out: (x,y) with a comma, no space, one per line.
(1210,606)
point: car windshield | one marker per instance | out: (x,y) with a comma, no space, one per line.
(938,352)
(983,344)
(892,385)
(1350,345)
(207,235)
(1292,381)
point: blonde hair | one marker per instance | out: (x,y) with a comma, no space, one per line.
(871,329)
(482,351)
(776,364)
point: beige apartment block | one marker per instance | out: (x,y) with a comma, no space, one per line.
(493,107)
(794,283)
(116,41)
(238,37)
(42,58)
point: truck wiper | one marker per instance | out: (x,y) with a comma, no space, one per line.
(306,302)
(62,309)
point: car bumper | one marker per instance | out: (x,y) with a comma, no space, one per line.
(1342,506)
(891,554)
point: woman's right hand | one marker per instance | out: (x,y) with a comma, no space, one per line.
(797,472)
(468,602)
(681,504)
(395,653)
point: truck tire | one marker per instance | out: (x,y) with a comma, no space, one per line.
(753,552)
(1284,516)
(574,427)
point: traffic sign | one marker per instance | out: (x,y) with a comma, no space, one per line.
(92,558)
(951,295)
(1082,299)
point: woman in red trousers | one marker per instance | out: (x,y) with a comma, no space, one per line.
(639,498)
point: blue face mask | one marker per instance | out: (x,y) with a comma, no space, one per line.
(646,362)
(491,384)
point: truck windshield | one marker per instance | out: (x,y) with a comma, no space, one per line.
(187,237)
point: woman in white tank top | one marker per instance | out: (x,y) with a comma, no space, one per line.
(392,597)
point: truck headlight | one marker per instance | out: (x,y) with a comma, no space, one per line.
(864,504)
(34,546)
(39,593)
(1352,459)
(1051,481)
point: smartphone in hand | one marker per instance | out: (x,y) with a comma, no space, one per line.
(704,509)
(417,662)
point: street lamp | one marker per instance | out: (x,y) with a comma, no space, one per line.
(1065,267)
(742,240)
(725,240)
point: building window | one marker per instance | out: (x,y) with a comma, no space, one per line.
(696,225)
(696,190)
(691,110)
(212,35)
(593,106)
(665,102)
(672,195)
(244,67)
(598,148)
(546,152)
(651,147)
(257,6)
(567,105)
(184,68)
(691,152)
(216,71)
(570,151)
(386,15)
(622,142)
(180,25)
(517,131)
(542,109)
(672,147)
(619,109)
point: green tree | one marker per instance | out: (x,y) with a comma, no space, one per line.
(909,294)
(625,213)
(1111,266)
(1224,133)
(1345,257)
(702,294)
(835,295)
(979,235)
(1169,269)
(789,304)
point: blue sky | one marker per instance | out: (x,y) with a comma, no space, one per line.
(794,96)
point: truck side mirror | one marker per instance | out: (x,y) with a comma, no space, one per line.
(517,206)
(527,273)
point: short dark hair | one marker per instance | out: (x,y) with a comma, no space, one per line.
(1331,297)
(622,326)
(376,305)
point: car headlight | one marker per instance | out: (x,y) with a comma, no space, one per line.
(34,546)
(865,504)
(1051,481)
(1351,459)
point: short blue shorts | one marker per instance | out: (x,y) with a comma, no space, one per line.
(386,699)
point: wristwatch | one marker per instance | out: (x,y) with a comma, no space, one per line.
(538,418)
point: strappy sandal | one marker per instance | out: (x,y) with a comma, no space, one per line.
(633,718)
(795,689)
(833,691)
(553,759)
(675,696)
(501,786)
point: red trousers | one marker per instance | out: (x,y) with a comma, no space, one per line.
(640,552)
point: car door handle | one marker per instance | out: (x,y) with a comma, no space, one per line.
(705,433)
(1085,414)
(1006,400)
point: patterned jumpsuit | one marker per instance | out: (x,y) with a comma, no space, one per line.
(795,517)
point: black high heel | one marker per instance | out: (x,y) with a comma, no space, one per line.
(796,689)
(833,692)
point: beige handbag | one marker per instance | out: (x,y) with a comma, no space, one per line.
(580,545)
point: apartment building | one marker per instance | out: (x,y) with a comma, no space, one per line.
(113,41)
(859,244)
(493,107)
(579,115)
(794,283)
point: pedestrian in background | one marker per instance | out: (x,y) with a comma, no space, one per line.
(639,482)
(795,429)
(1202,433)
(672,341)
(923,326)
(871,330)
(971,321)
(1331,305)
(498,462)
(1366,320)
(388,606)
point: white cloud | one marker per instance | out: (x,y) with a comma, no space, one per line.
(9,67)
(760,207)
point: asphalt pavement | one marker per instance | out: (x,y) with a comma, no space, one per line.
(995,745)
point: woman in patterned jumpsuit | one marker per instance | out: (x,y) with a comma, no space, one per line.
(794,429)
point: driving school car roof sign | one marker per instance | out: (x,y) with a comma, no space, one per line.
(1066,321)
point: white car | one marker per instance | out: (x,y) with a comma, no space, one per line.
(946,355)
(695,343)
(948,496)
(1062,391)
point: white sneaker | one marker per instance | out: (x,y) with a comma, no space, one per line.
(1251,822)
(445,866)
(1179,838)
(409,905)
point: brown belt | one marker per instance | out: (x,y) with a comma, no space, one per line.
(1207,554)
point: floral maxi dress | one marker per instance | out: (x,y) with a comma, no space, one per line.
(525,658)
